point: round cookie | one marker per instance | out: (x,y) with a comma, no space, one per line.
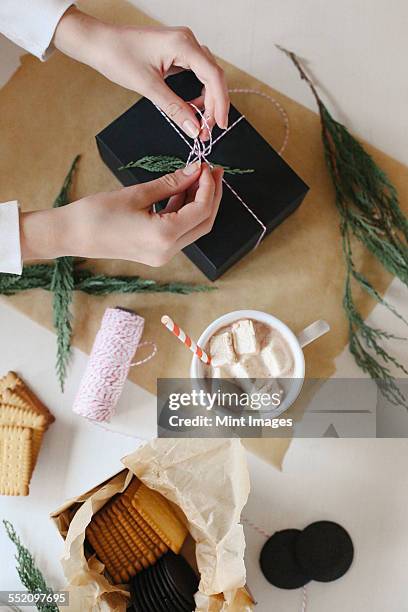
(155,593)
(172,594)
(278,561)
(324,551)
(181,575)
(135,602)
(146,595)
(163,591)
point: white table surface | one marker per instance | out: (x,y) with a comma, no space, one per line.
(360,483)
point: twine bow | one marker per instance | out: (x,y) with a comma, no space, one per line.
(199,151)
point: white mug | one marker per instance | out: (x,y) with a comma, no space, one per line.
(295,343)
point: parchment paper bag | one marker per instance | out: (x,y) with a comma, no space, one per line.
(207,483)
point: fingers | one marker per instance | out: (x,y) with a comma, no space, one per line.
(202,62)
(198,210)
(198,215)
(175,203)
(168,185)
(175,107)
(205,226)
(188,53)
(209,105)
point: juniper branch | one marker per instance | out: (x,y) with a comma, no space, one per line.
(62,285)
(168,163)
(29,573)
(369,211)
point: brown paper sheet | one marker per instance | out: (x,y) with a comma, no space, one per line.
(208,483)
(50,112)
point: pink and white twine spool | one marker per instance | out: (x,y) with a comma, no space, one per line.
(115,345)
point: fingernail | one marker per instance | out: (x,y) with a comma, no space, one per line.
(190,128)
(191,168)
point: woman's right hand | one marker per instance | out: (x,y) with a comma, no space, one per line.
(121,224)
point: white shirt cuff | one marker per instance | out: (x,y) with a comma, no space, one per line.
(31,23)
(10,249)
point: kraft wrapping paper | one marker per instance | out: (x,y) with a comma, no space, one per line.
(51,111)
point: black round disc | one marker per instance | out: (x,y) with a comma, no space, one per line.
(181,575)
(154,593)
(278,560)
(324,551)
(137,606)
(142,593)
(173,594)
(154,587)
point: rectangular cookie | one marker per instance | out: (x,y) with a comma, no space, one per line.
(15,460)
(15,392)
(158,514)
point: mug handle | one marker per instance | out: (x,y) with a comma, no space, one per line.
(312,332)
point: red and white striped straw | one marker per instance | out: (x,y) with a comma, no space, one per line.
(186,340)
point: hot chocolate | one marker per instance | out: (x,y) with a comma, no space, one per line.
(249,349)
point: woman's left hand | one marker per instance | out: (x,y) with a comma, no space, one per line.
(139,58)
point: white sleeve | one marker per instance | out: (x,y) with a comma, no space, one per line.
(31,23)
(10,250)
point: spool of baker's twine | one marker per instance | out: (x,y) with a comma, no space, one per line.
(108,366)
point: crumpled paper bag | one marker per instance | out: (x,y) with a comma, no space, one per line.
(207,481)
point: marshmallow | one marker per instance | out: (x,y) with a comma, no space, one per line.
(254,367)
(245,340)
(222,350)
(277,358)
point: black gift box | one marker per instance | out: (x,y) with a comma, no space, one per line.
(273,191)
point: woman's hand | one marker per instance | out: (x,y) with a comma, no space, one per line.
(139,58)
(121,224)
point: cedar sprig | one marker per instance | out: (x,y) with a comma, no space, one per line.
(62,286)
(39,276)
(168,163)
(30,574)
(369,211)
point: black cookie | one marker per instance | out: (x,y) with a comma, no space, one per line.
(324,551)
(278,561)
(182,604)
(136,604)
(181,575)
(155,595)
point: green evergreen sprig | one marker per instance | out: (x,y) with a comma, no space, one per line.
(40,276)
(369,211)
(168,163)
(29,573)
(62,286)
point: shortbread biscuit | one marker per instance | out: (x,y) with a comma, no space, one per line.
(132,553)
(19,406)
(15,392)
(112,549)
(15,460)
(142,529)
(156,511)
(144,552)
(21,417)
(104,551)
